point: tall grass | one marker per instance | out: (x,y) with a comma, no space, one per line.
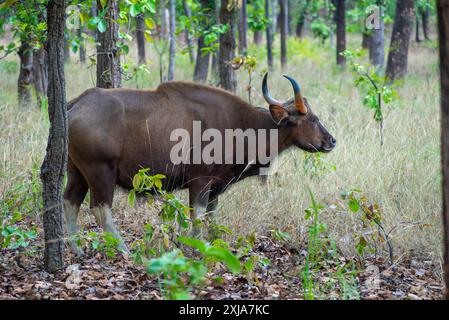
(403,175)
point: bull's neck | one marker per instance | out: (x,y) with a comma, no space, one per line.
(263,120)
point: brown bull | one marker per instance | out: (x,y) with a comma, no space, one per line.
(115,132)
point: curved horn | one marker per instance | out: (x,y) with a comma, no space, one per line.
(299,101)
(268,98)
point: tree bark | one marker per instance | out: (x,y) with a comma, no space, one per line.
(417,39)
(54,165)
(172,50)
(377,44)
(400,40)
(227,46)
(188,13)
(366,40)
(108,56)
(202,59)
(283,28)
(257,37)
(269,34)
(40,75)
(443,35)
(425,15)
(25,80)
(140,37)
(162,13)
(243,28)
(341,31)
(82,48)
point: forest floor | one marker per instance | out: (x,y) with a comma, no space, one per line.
(98,276)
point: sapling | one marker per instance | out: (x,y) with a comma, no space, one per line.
(372,86)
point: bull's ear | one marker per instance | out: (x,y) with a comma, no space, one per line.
(279,114)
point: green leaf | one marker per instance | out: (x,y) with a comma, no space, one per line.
(195,243)
(149,23)
(354,205)
(132,198)
(101,26)
(225,256)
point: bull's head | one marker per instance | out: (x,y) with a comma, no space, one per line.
(295,115)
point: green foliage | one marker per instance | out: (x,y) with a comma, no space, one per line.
(178,274)
(256,15)
(320,30)
(321,249)
(371,235)
(316,165)
(105,242)
(371,86)
(16,203)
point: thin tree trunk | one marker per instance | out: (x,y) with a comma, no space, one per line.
(400,40)
(227,46)
(202,59)
(302,19)
(257,37)
(443,35)
(171,61)
(284,31)
(162,13)
(25,80)
(108,57)
(425,15)
(269,34)
(82,48)
(54,165)
(417,39)
(243,29)
(341,30)
(188,13)
(140,36)
(377,44)
(40,74)
(366,40)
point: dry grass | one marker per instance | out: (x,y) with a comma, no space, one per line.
(403,175)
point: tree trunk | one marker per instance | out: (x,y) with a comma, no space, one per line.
(188,13)
(171,61)
(25,80)
(341,31)
(163,26)
(417,39)
(82,45)
(227,46)
(400,40)
(108,56)
(302,19)
(140,36)
(366,40)
(283,27)
(443,35)
(202,59)
(377,44)
(54,165)
(269,35)
(40,74)
(243,29)
(425,14)
(257,37)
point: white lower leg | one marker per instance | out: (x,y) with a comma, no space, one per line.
(71,227)
(103,216)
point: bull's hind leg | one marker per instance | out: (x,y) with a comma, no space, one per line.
(102,179)
(74,195)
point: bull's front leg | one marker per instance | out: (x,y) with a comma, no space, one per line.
(199,192)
